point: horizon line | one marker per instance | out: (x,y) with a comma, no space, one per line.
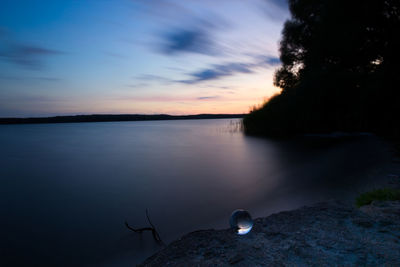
(114,118)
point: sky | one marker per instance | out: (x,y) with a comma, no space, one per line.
(66,57)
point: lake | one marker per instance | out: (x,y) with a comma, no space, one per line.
(67,189)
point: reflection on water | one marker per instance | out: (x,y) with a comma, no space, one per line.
(67,189)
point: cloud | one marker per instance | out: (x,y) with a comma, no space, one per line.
(24,78)
(27,55)
(214,72)
(273,61)
(268,60)
(162,9)
(196,39)
(137,85)
(114,55)
(207,97)
(280,3)
(145,80)
(276,10)
(152,78)
(48,79)
(24,55)
(218,71)
(229,69)
(184,26)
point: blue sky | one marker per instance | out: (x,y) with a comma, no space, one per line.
(137,56)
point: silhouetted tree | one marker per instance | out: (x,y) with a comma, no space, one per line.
(339,69)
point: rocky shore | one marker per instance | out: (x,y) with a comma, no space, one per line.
(326,234)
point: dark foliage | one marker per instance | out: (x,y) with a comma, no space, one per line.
(339,70)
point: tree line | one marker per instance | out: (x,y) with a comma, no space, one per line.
(339,70)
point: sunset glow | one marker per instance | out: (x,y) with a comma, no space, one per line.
(137,56)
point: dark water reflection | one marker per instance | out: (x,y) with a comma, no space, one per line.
(66,189)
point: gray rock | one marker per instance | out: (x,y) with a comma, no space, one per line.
(326,234)
(235,259)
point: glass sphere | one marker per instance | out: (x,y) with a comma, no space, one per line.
(241,222)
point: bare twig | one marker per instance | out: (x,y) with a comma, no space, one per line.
(153,230)
(139,230)
(148,218)
(156,236)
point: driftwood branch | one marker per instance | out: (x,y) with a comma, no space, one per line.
(153,230)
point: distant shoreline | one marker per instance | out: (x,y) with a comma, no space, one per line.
(111,118)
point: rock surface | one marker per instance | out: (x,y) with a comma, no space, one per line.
(327,234)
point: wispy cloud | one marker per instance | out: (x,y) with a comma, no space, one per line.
(229,69)
(162,9)
(24,78)
(277,10)
(145,80)
(280,3)
(152,78)
(48,79)
(114,54)
(170,98)
(197,36)
(218,71)
(184,26)
(202,27)
(193,40)
(272,61)
(162,98)
(207,97)
(137,85)
(23,54)
(214,72)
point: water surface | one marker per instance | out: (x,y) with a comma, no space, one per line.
(67,189)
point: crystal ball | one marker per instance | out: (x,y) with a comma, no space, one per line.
(241,221)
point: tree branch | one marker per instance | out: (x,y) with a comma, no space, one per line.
(153,230)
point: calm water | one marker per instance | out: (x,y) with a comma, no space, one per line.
(66,189)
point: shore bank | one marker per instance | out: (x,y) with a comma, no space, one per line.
(115,118)
(326,234)
(329,234)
